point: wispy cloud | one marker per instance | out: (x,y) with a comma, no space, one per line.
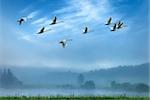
(80,13)
(25,10)
(86,9)
(32,14)
(39,21)
(77,14)
(27,38)
(65,10)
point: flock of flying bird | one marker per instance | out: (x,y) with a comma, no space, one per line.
(117,25)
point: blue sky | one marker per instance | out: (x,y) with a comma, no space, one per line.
(21,46)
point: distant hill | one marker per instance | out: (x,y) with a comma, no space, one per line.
(102,77)
(132,74)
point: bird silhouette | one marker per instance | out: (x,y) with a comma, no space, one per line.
(85,30)
(54,21)
(114,27)
(64,42)
(109,21)
(120,25)
(21,20)
(41,31)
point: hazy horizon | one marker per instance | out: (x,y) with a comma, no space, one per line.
(64,69)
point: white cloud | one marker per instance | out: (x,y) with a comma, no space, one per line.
(77,14)
(27,38)
(33,14)
(88,10)
(40,20)
(26,9)
(65,10)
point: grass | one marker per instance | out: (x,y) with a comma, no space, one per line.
(74,98)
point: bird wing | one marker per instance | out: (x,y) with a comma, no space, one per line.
(62,43)
(19,21)
(86,29)
(42,29)
(54,21)
(109,21)
(120,25)
(114,27)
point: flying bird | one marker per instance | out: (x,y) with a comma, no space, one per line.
(55,21)
(64,42)
(43,30)
(85,30)
(109,21)
(21,20)
(114,27)
(120,25)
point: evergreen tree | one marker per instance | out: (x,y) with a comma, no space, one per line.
(8,80)
(80,79)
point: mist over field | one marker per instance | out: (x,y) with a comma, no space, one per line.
(121,80)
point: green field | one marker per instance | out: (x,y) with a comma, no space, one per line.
(74,98)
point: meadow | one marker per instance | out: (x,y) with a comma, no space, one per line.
(74,98)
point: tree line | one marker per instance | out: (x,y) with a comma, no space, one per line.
(8,79)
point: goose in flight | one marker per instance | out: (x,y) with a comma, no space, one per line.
(43,30)
(21,20)
(85,30)
(64,42)
(55,21)
(114,27)
(120,25)
(109,21)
